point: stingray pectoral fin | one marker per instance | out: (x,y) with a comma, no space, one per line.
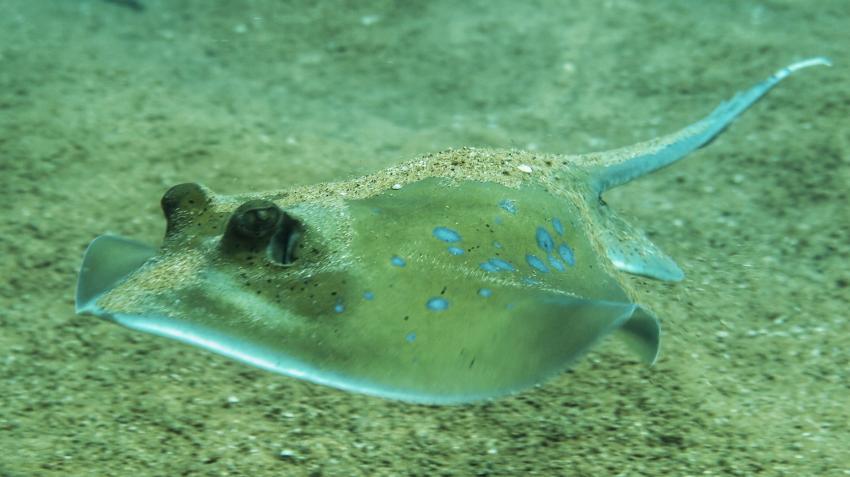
(448,358)
(642,334)
(584,322)
(107,261)
(542,338)
(457,359)
(631,251)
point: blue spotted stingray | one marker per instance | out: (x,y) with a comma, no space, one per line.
(463,275)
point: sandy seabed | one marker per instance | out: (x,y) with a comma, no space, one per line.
(104,105)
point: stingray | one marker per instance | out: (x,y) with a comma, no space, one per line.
(459,276)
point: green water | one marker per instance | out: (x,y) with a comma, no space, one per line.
(104,106)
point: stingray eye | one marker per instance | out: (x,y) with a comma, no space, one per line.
(255,219)
(259,225)
(183,196)
(181,202)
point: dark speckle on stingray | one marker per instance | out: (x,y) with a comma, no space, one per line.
(459,276)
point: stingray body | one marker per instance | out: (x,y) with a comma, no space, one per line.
(463,275)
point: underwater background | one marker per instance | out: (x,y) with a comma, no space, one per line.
(106,104)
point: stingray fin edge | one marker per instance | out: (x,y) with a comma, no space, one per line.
(638,327)
(108,260)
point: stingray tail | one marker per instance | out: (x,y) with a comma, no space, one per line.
(630,163)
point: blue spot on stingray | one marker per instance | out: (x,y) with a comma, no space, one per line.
(510,306)
(536,263)
(497,220)
(437,304)
(566,253)
(544,240)
(411,337)
(398,261)
(446,234)
(508,205)
(489,267)
(368,296)
(501,264)
(558,226)
(556,264)
(455,250)
(339,308)
(485,292)
(497,244)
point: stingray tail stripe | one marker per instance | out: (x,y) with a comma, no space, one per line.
(680,144)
